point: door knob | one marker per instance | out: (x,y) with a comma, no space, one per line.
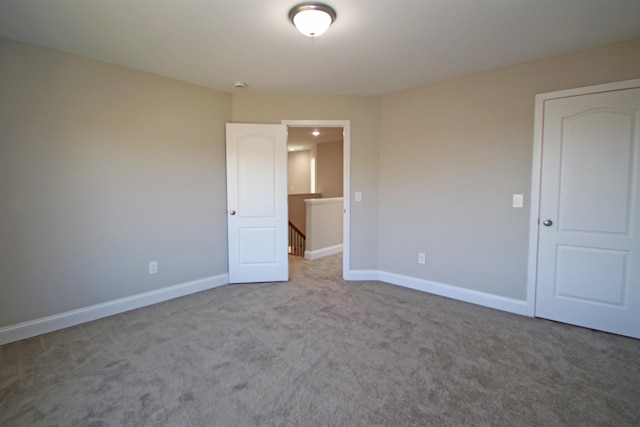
(547,222)
(232,212)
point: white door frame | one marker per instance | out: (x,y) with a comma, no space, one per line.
(346,186)
(537,170)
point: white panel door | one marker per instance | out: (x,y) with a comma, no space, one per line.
(257,202)
(589,232)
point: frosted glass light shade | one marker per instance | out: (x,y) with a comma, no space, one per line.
(312,19)
(312,23)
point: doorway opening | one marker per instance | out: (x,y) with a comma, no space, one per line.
(316,175)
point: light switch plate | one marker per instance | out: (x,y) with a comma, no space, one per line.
(518,200)
(358,196)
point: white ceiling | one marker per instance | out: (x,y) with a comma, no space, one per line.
(300,138)
(374,46)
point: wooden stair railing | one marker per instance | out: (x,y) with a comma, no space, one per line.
(297,240)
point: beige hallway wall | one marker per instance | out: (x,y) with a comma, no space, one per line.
(453,153)
(329,170)
(103,169)
(298,209)
(299,171)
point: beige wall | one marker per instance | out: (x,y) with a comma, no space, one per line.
(324,224)
(329,169)
(364,113)
(298,209)
(453,153)
(299,171)
(103,169)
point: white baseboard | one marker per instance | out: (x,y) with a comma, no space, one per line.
(319,253)
(86,314)
(475,297)
(52,323)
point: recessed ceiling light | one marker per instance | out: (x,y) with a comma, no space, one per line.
(315,133)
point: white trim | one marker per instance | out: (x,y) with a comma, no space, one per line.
(484,299)
(52,323)
(86,314)
(346,190)
(537,170)
(319,253)
(346,194)
(468,295)
(607,87)
(323,201)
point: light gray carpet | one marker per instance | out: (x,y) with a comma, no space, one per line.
(318,351)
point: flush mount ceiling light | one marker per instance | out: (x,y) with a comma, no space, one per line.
(311,18)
